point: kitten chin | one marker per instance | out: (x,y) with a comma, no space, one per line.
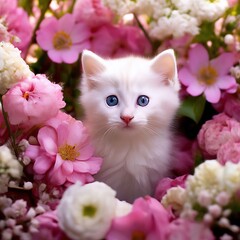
(129,105)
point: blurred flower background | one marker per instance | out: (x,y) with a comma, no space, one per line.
(47,182)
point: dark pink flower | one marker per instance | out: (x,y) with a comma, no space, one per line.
(147,220)
(202,75)
(33,101)
(64,154)
(167,183)
(63,38)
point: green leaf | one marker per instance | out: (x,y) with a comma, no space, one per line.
(193,107)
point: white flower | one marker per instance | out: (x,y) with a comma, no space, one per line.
(12,67)
(9,165)
(86,212)
(175,198)
(208,10)
(122,208)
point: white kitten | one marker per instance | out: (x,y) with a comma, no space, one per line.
(129,105)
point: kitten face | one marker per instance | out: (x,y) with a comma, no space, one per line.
(127,96)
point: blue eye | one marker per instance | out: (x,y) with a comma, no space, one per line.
(143,100)
(112,100)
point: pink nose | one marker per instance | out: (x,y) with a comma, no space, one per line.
(127,119)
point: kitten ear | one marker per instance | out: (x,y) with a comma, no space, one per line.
(92,65)
(165,65)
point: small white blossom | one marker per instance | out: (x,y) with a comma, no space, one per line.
(12,67)
(86,212)
(122,208)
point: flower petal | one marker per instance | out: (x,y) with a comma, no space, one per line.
(42,164)
(198,58)
(55,55)
(225,82)
(86,152)
(195,89)
(66,23)
(67,167)
(212,94)
(47,138)
(57,178)
(186,77)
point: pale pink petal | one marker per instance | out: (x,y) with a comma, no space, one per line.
(47,138)
(63,131)
(77,177)
(57,178)
(80,33)
(198,58)
(212,94)
(196,89)
(186,77)
(58,163)
(70,56)
(73,138)
(91,166)
(55,55)
(42,164)
(86,152)
(225,82)
(66,23)
(67,167)
(223,63)
(32,151)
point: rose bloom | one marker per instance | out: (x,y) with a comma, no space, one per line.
(33,101)
(86,212)
(147,220)
(229,151)
(63,38)
(215,132)
(201,75)
(63,154)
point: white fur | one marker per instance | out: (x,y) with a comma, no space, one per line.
(135,157)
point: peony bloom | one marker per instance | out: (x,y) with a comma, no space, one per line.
(21,31)
(147,220)
(216,132)
(64,154)
(229,151)
(63,39)
(93,12)
(86,212)
(182,229)
(12,67)
(33,101)
(202,75)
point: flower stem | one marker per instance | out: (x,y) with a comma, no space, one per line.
(11,135)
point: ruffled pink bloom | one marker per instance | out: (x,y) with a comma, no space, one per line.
(167,183)
(229,152)
(202,75)
(182,229)
(20,29)
(147,220)
(216,132)
(119,41)
(63,38)
(33,101)
(64,154)
(48,227)
(93,12)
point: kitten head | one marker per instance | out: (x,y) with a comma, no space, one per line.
(129,95)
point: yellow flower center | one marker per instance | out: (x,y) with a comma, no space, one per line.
(62,40)
(68,152)
(207,75)
(89,211)
(138,235)
(26,95)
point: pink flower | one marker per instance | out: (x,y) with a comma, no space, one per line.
(48,227)
(93,12)
(64,154)
(63,38)
(147,220)
(119,41)
(230,151)
(202,75)
(167,183)
(33,101)
(20,29)
(182,229)
(229,104)
(216,132)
